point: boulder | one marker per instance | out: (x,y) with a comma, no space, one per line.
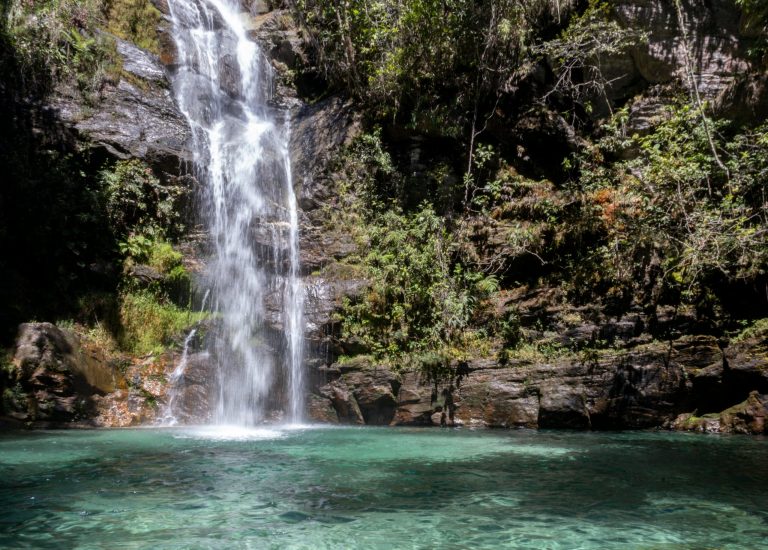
(747,417)
(343,402)
(416,403)
(374,389)
(52,379)
(321,409)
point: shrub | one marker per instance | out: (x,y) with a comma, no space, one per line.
(58,40)
(670,221)
(137,202)
(149,323)
(135,21)
(420,299)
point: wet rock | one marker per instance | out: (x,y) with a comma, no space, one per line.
(712,39)
(124,408)
(162,6)
(734,372)
(747,362)
(229,73)
(563,404)
(317,132)
(140,63)
(496,397)
(697,352)
(196,388)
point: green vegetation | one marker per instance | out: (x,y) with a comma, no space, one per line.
(534,353)
(419,298)
(759,329)
(135,21)
(57,40)
(420,301)
(54,41)
(673,216)
(496,157)
(577,52)
(645,219)
(137,201)
(149,323)
(450,69)
(152,309)
(671,209)
(102,231)
(119,218)
(412,53)
(145,315)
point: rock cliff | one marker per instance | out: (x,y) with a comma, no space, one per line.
(662,368)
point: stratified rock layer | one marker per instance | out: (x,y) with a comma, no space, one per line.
(652,385)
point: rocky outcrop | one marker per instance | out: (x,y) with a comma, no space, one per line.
(52,379)
(650,385)
(747,417)
(732,396)
(716,52)
(135,117)
(56,379)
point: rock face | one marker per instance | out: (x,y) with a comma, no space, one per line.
(52,379)
(55,380)
(649,386)
(137,117)
(663,364)
(717,49)
(682,382)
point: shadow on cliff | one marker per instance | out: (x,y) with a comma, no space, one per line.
(55,240)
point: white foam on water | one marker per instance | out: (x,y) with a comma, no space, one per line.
(230,433)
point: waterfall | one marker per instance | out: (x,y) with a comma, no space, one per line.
(224,86)
(170,416)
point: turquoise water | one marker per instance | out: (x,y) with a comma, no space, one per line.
(380,488)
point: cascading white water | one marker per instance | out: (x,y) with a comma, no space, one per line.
(170,415)
(224,87)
